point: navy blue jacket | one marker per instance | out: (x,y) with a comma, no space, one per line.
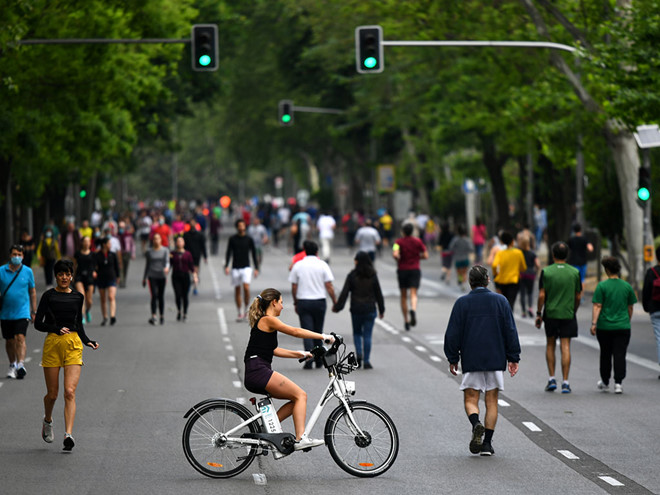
(481,332)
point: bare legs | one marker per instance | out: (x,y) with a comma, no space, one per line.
(280,387)
(71,378)
(471,398)
(565,345)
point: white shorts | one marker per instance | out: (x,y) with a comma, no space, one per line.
(240,276)
(483,380)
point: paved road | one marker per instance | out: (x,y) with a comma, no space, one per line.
(135,389)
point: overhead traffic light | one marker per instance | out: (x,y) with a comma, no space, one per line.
(83,193)
(643,186)
(285,112)
(204,47)
(369,49)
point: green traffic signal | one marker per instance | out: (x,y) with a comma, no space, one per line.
(643,194)
(286,118)
(204,60)
(83,193)
(370,62)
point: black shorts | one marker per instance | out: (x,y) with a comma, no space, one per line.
(11,328)
(86,280)
(408,278)
(564,329)
(257,374)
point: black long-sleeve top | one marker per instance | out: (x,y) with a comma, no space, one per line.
(240,246)
(107,266)
(61,309)
(365,294)
(196,244)
(650,306)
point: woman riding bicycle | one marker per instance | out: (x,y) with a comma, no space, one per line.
(262,346)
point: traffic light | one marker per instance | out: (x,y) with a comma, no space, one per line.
(369,49)
(285,112)
(83,193)
(204,41)
(643,186)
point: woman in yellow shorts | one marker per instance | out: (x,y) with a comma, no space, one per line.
(60,315)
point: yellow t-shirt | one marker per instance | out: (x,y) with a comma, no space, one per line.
(386,221)
(508,264)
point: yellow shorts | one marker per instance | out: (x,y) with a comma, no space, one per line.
(62,350)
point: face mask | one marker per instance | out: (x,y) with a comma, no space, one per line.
(161,222)
(97,234)
(121,231)
(16,260)
(49,235)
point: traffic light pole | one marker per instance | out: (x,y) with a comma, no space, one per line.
(509,44)
(648,238)
(334,111)
(99,41)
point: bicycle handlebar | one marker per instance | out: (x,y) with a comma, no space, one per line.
(320,351)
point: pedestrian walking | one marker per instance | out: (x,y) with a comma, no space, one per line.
(528,277)
(578,249)
(461,248)
(386,225)
(60,315)
(70,241)
(214,231)
(196,245)
(508,264)
(560,292)
(83,278)
(311,278)
(368,239)
(125,234)
(155,272)
(408,251)
(239,248)
(107,278)
(48,253)
(444,240)
(366,296)
(183,267)
(259,236)
(613,302)
(29,247)
(144,224)
(479,236)
(482,335)
(17,309)
(651,299)
(326,225)
(260,378)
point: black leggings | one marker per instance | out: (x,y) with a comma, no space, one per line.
(613,347)
(510,291)
(157,288)
(181,284)
(526,290)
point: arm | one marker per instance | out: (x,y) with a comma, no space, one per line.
(40,318)
(203,243)
(595,313)
(146,268)
(286,353)
(253,250)
(117,264)
(228,255)
(630,311)
(380,301)
(80,329)
(647,290)
(424,254)
(331,292)
(339,305)
(539,307)
(274,324)
(294,293)
(166,270)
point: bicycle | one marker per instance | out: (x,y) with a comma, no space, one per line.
(222,437)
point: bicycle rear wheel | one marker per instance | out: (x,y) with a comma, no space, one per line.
(204,443)
(368,454)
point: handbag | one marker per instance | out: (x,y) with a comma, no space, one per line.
(2,297)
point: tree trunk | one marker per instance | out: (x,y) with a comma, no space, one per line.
(494,165)
(419,191)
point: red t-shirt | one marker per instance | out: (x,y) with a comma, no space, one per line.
(410,248)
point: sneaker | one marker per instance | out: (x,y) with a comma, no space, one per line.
(84,320)
(21,371)
(407,326)
(195,291)
(89,316)
(105,320)
(565,388)
(413,318)
(68,442)
(162,320)
(530,312)
(309,365)
(368,366)
(359,362)
(47,432)
(551,386)
(487,449)
(240,317)
(11,372)
(152,321)
(113,320)
(178,317)
(307,443)
(602,386)
(185,317)
(618,388)
(477,438)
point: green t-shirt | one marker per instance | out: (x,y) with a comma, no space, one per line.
(561,282)
(615,295)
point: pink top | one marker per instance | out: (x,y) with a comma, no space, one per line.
(479,234)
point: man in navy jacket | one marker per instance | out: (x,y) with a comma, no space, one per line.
(482,334)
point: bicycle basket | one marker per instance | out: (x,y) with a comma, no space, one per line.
(329,359)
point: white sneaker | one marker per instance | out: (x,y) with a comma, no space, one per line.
(618,389)
(602,387)
(308,443)
(11,372)
(47,432)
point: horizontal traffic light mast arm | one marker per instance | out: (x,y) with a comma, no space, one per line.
(317,110)
(525,44)
(98,41)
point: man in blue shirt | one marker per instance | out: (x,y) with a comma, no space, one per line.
(482,334)
(18,309)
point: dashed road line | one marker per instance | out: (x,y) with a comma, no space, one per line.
(568,454)
(222,321)
(531,426)
(259,479)
(503,403)
(214,279)
(611,481)
(232,358)
(437,359)
(420,348)
(237,384)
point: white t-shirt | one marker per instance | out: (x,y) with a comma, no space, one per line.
(326,225)
(310,275)
(367,238)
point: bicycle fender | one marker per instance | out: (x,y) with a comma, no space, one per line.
(218,401)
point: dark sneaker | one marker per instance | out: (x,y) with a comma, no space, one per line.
(551,386)
(152,321)
(113,320)
(68,442)
(565,388)
(162,320)
(368,366)
(487,449)
(413,318)
(178,317)
(21,372)
(105,320)
(477,438)
(407,326)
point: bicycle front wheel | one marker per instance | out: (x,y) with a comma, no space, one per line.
(366,448)
(206,446)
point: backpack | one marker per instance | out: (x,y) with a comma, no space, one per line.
(655,292)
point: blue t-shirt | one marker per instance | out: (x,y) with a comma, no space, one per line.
(16,304)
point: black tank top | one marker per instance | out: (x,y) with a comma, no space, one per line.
(261,344)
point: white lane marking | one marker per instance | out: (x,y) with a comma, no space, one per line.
(420,348)
(237,384)
(259,479)
(611,481)
(503,403)
(226,339)
(241,400)
(386,326)
(214,279)
(235,371)
(28,359)
(1,384)
(568,454)
(437,359)
(229,347)
(531,426)
(436,342)
(223,321)
(232,358)
(36,351)
(407,340)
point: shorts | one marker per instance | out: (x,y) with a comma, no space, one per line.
(104,284)
(12,328)
(62,350)
(144,237)
(564,329)
(240,276)
(408,278)
(483,380)
(86,280)
(462,263)
(257,374)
